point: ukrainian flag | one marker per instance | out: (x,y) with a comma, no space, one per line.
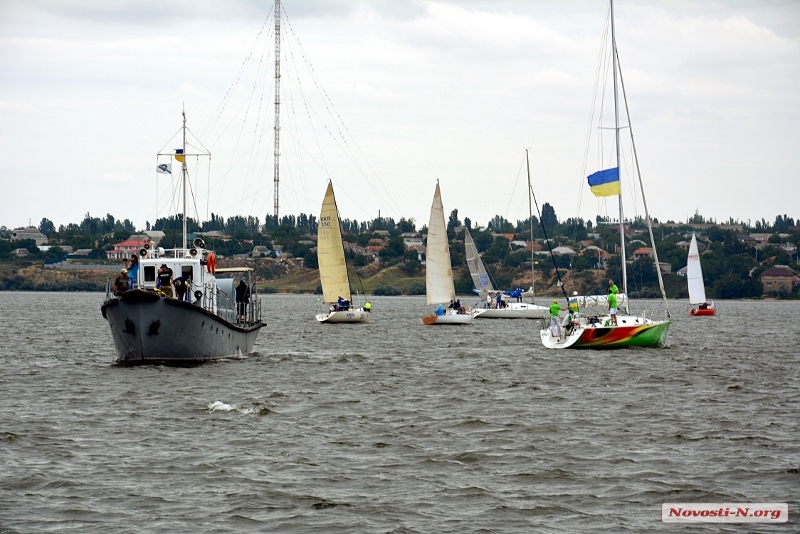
(605,183)
(179,154)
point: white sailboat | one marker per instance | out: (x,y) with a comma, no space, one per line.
(694,278)
(439,288)
(510,310)
(605,331)
(333,267)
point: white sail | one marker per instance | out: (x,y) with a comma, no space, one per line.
(476,268)
(438,272)
(330,253)
(694,275)
(585,302)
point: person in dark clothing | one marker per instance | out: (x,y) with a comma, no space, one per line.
(165,280)
(181,287)
(121,282)
(242,298)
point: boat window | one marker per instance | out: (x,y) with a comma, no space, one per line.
(186,271)
(149,273)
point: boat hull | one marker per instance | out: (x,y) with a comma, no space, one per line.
(514,310)
(461,318)
(651,334)
(147,328)
(347,316)
(695,312)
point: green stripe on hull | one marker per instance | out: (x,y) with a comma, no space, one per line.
(650,336)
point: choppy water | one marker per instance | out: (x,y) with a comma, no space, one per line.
(394,426)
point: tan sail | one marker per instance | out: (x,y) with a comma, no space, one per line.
(438,272)
(330,253)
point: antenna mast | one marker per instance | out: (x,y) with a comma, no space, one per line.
(277,103)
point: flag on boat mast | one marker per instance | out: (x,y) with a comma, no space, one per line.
(605,183)
(179,154)
(164,168)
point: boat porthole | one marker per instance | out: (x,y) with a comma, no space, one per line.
(217,330)
(202,324)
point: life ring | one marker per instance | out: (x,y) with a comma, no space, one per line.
(211,263)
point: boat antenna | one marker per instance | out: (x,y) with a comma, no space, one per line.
(184,174)
(530,218)
(277,152)
(547,239)
(644,199)
(616,142)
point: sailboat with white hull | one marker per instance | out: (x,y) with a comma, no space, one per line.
(148,326)
(439,288)
(333,267)
(694,279)
(600,331)
(509,310)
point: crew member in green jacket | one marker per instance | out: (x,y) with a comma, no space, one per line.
(555,324)
(612,301)
(368,306)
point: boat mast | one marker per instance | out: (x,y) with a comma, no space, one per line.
(616,143)
(277,170)
(530,219)
(184,174)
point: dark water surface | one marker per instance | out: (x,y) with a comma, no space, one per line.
(394,426)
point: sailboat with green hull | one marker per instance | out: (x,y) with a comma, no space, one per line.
(600,331)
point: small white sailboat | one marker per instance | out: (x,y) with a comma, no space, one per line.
(694,278)
(509,310)
(439,288)
(333,267)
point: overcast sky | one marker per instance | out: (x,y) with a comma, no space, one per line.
(455,91)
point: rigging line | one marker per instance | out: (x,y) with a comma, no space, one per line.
(327,98)
(346,149)
(514,190)
(288,91)
(641,186)
(590,128)
(241,130)
(225,99)
(170,141)
(293,116)
(550,248)
(256,138)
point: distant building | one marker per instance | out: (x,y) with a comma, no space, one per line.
(31,232)
(412,238)
(260,251)
(682,271)
(644,252)
(564,251)
(420,250)
(21,252)
(777,278)
(665,267)
(124,249)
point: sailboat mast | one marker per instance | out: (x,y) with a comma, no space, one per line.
(184,176)
(616,144)
(530,219)
(277,170)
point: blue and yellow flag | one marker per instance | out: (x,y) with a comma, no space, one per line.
(179,154)
(605,183)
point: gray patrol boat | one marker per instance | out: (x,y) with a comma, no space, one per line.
(150,327)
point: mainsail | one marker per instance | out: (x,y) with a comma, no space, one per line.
(476,268)
(694,275)
(438,273)
(330,253)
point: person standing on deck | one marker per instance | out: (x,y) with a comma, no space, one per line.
(612,301)
(242,298)
(555,324)
(133,271)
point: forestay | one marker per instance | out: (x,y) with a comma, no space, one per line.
(438,272)
(330,253)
